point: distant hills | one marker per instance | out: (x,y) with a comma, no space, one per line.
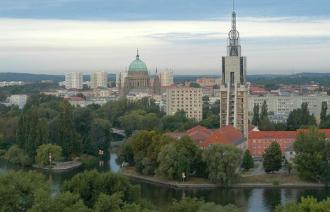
(299,78)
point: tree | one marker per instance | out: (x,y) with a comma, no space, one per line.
(43,152)
(211,122)
(196,205)
(89,185)
(272,158)
(247,162)
(222,162)
(195,85)
(305,204)
(325,119)
(106,203)
(68,137)
(264,122)
(177,158)
(18,190)
(256,117)
(16,155)
(300,118)
(178,122)
(311,154)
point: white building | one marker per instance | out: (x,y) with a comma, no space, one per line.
(74,80)
(19,100)
(281,106)
(11,83)
(166,78)
(120,79)
(187,99)
(99,80)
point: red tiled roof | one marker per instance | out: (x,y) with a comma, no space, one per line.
(199,134)
(272,134)
(325,131)
(224,135)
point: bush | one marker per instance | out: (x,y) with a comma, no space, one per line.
(43,152)
(88,161)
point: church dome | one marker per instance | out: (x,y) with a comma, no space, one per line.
(138,65)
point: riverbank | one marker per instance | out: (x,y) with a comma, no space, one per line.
(262,181)
(61,166)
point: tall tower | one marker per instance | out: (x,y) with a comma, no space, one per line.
(233,89)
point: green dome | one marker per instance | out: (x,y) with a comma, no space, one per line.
(138,65)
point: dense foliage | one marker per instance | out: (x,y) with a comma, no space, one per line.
(247,162)
(222,163)
(312,154)
(306,204)
(300,118)
(272,158)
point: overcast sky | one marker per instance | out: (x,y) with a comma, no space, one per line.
(187,36)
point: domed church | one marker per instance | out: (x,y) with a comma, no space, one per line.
(137,80)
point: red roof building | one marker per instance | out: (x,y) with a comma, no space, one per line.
(259,141)
(199,134)
(225,135)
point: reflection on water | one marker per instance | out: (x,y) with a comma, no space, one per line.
(249,199)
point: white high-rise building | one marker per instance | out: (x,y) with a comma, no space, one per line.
(187,99)
(74,80)
(234,89)
(99,80)
(19,100)
(120,79)
(166,78)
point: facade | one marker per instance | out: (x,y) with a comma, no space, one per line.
(187,99)
(19,100)
(99,80)
(156,85)
(207,82)
(166,78)
(259,141)
(233,88)
(74,80)
(281,106)
(120,79)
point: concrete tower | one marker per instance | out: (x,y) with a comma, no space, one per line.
(233,89)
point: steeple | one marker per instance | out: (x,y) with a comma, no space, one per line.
(234,47)
(137,54)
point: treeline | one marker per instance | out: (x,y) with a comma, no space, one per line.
(153,153)
(298,118)
(86,192)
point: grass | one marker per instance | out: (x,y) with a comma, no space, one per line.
(274,179)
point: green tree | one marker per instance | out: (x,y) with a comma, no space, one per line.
(222,162)
(305,204)
(195,85)
(68,137)
(300,118)
(272,158)
(90,185)
(43,152)
(325,119)
(256,117)
(177,158)
(178,122)
(212,121)
(247,162)
(18,190)
(16,155)
(264,123)
(311,155)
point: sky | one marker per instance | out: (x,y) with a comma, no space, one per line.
(186,36)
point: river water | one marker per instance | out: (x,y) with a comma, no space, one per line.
(249,199)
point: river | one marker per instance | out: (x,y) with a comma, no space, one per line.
(249,199)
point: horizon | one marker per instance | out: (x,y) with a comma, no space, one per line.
(54,37)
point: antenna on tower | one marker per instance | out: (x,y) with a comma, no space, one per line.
(233,5)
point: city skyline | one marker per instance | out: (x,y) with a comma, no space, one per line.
(48,37)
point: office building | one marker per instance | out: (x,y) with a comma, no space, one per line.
(99,80)
(187,99)
(166,78)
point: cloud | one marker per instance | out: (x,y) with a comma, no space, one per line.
(59,45)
